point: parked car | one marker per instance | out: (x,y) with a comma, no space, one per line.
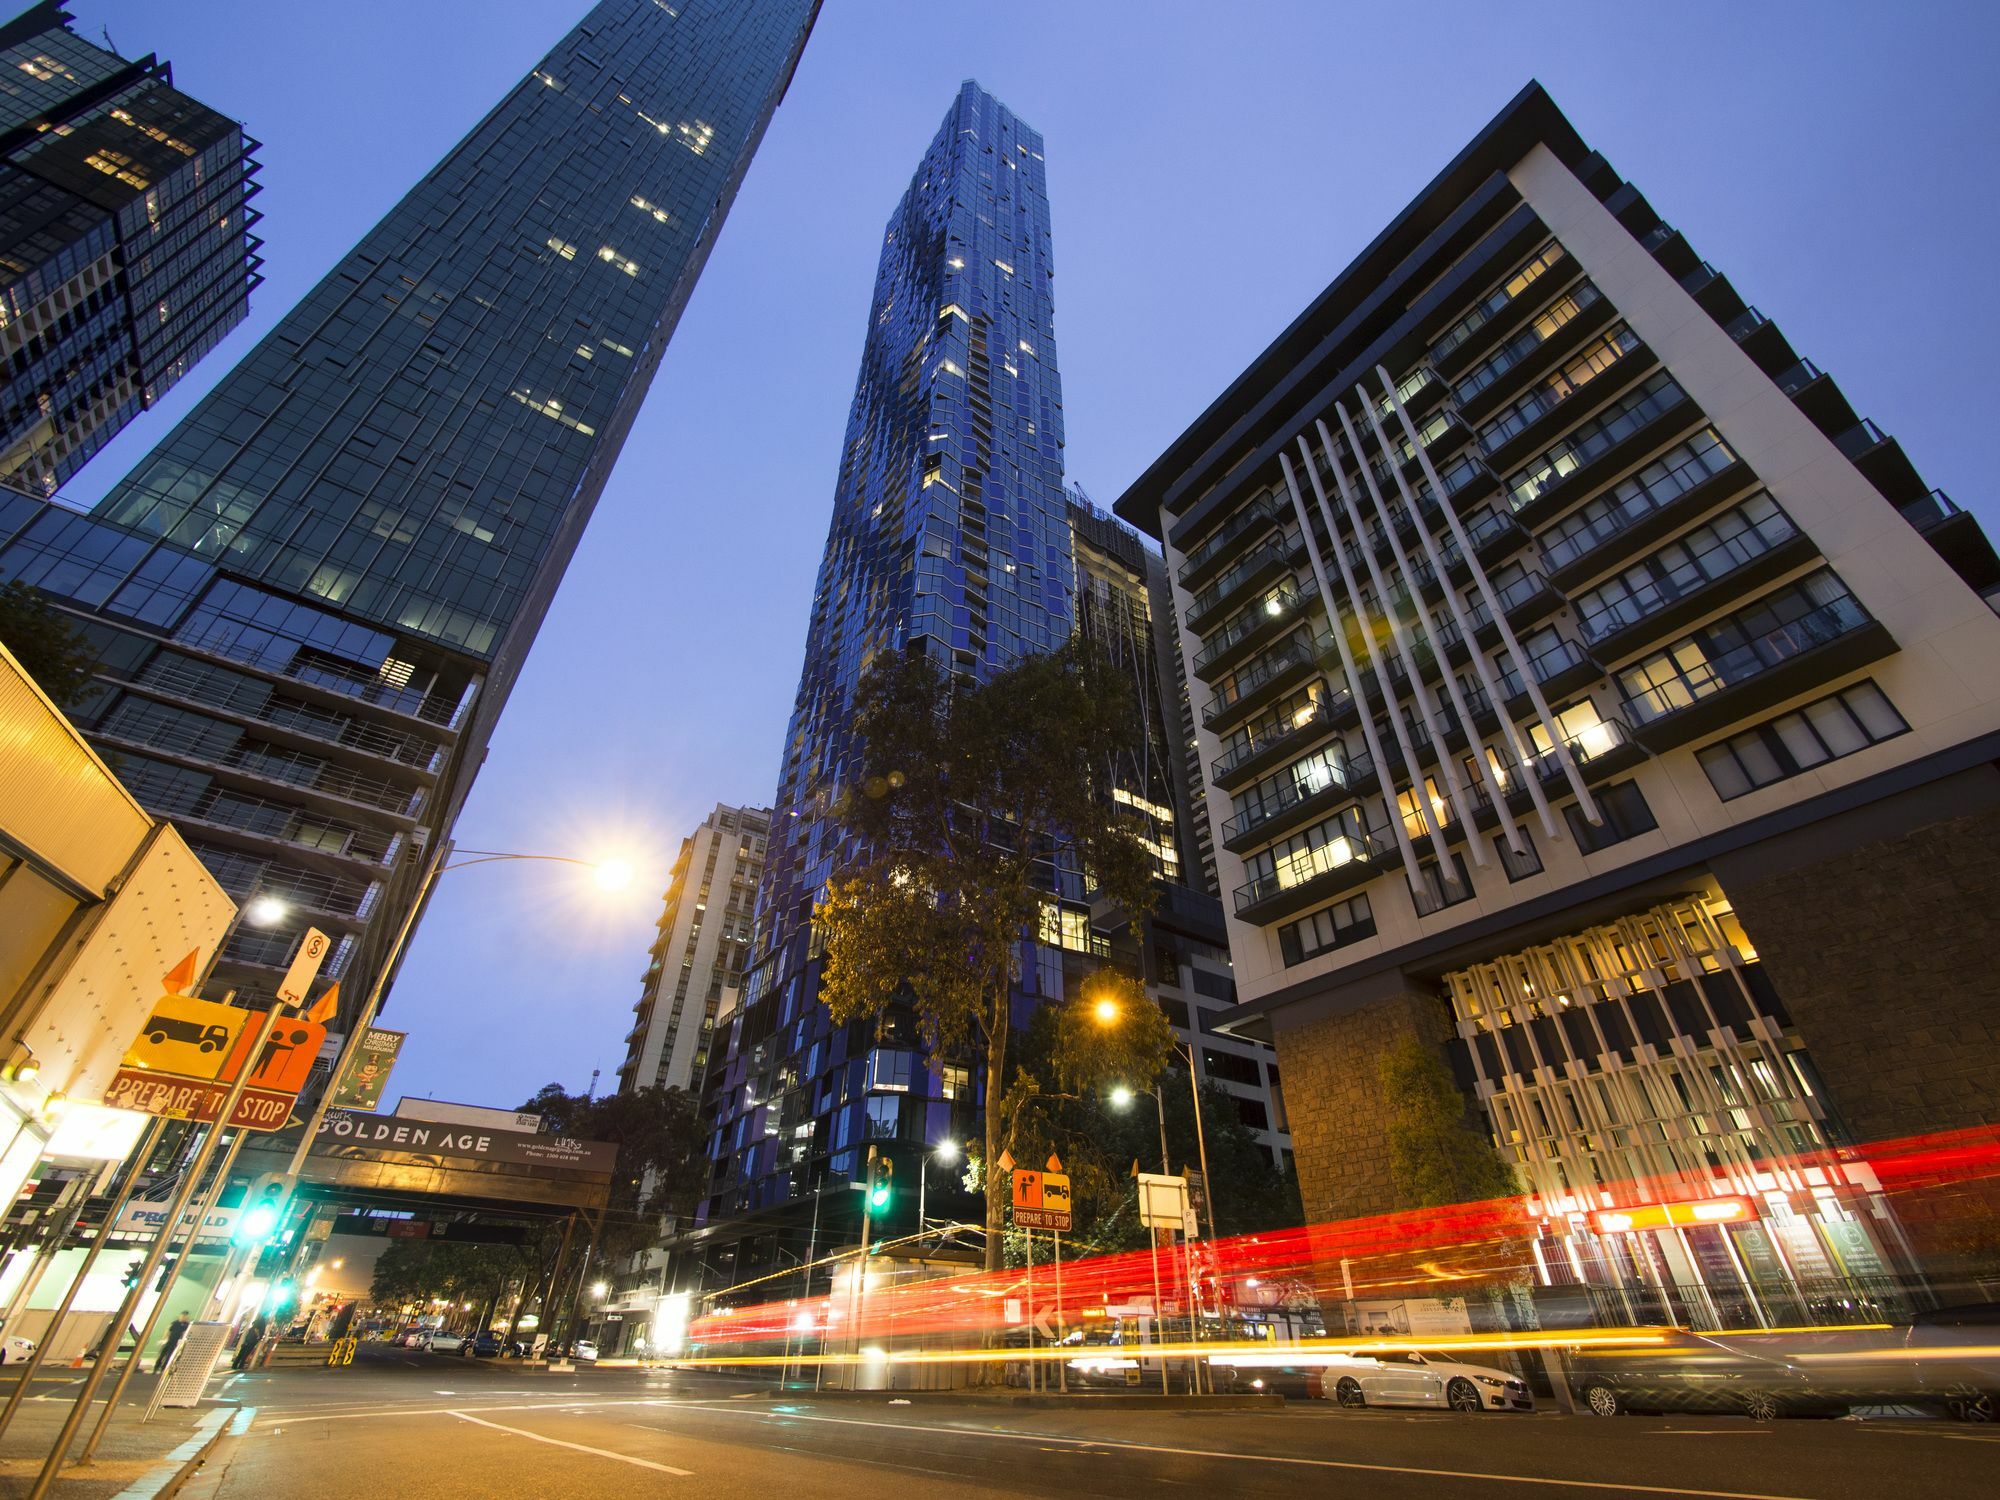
(1967,1379)
(1695,1372)
(14,1347)
(583,1349)
(1406,1377)
(445,1343)
(487,1345)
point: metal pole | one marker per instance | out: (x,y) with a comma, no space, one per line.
(1062,1365)
(208,1207)
(1032,1369)
(366,1014)
(69,1206)
(1159,1307)
(149,1143)
(153,1257)
(1201,1146)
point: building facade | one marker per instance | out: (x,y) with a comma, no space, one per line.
(313,597)
(1587,691)
(950,534)
(125,244)
(696,970)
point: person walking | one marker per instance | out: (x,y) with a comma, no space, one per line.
(175,1331)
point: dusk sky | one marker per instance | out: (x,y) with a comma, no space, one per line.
(1211,168)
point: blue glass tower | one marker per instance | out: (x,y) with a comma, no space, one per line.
(312,598)
(950,534)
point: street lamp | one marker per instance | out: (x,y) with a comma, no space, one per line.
(266,911)
(609,875)
(1108,1014)
(945,1151)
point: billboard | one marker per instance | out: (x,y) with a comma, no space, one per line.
(438,1112)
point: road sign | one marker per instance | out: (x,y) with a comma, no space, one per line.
(287,1059)
(1041,1200)
(1043,1326)
(313,949)
(202,1099)
(1163,1201)
(192,1038)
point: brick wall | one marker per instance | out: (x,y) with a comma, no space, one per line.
(1886,955)
(1333,1101)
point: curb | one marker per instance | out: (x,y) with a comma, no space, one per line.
(181,1465)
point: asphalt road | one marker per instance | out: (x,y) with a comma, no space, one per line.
(404,1424)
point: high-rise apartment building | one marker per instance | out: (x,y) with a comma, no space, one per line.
(950,534)
(696,968)
(125,244)
(1587,690)
(313,597)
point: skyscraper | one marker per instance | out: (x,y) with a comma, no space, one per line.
(125,244)
(1590,694)
(696,967)
(313,597)
(950,534)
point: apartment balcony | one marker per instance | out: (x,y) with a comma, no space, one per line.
(327,788)
(1244,632)
(1633,528)
(1561,669)
(1268,562)
(1557,414)
(337,689)
(1243,765)
(1882,462)
(1604,452)
(312,895)
(1681,702)
(1534,351)
(1745,563)
(1761,339)
(1957,538)
(1505,321)
(1262,682)
(1299,804)
(1232,539)
(1313,877)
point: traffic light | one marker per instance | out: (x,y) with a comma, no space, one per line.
(133,1271)
(283,1294)
(881,1183)
(263,1211)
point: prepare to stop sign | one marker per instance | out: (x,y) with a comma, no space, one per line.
(1041,1199)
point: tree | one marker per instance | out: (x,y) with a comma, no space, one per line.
(661,1166)
(47,646)
(1435,1160)
(970,797)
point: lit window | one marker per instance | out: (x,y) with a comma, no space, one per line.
(550,407)
(1026,347)
(612,258)
(584,351)
(1004,266)
(615,347)
(652,208)
(953,310)
(695,135)
(562,247)
(957,263)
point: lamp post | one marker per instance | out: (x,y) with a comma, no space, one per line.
(946,1151)
(610,874)
(1107,1013)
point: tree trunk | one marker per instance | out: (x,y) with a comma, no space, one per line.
(996,1180)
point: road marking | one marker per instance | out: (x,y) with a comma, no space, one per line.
(168,1469)
(536,1437)
(1267,1458)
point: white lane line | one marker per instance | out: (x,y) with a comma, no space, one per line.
(1262,1458)
(564,1404)
(623,1458)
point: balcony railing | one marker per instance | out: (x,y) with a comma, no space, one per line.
(1932,508)
(1357,853)
(1313,720)
(1665,683)
(1345,771)
(1264,555)
(223,640)
(1596,742)
(1601,614)
(1596,437)
(1565,655)
(1262,511)
(326,779)
(1258,673)
(1280,604)
(1558,314)
(1633,500)
(195,681)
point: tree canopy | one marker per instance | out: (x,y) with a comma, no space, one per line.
(971,798)
(1434,1159)
(661,1168)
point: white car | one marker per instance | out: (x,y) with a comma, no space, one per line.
(15,1348)
(1403,1377)
(445,1343)
(585,1349)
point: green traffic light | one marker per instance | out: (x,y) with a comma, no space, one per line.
(878,1197)
(257,1225)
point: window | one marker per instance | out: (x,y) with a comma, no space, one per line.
(1496,300)
(1432,893)
(1850,720)
(1519,866)
(1626,815)
(1344,922)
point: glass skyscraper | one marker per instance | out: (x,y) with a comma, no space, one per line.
(313,597)
(125,244)
(950,534)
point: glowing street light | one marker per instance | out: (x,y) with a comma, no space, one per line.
(600,1290)
(947,1151)
(1106,1012)
(612,875)
(1122,1097)
(266,911)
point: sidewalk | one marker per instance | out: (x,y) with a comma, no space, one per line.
(131,1457)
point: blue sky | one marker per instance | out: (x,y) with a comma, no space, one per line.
(1211,167)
